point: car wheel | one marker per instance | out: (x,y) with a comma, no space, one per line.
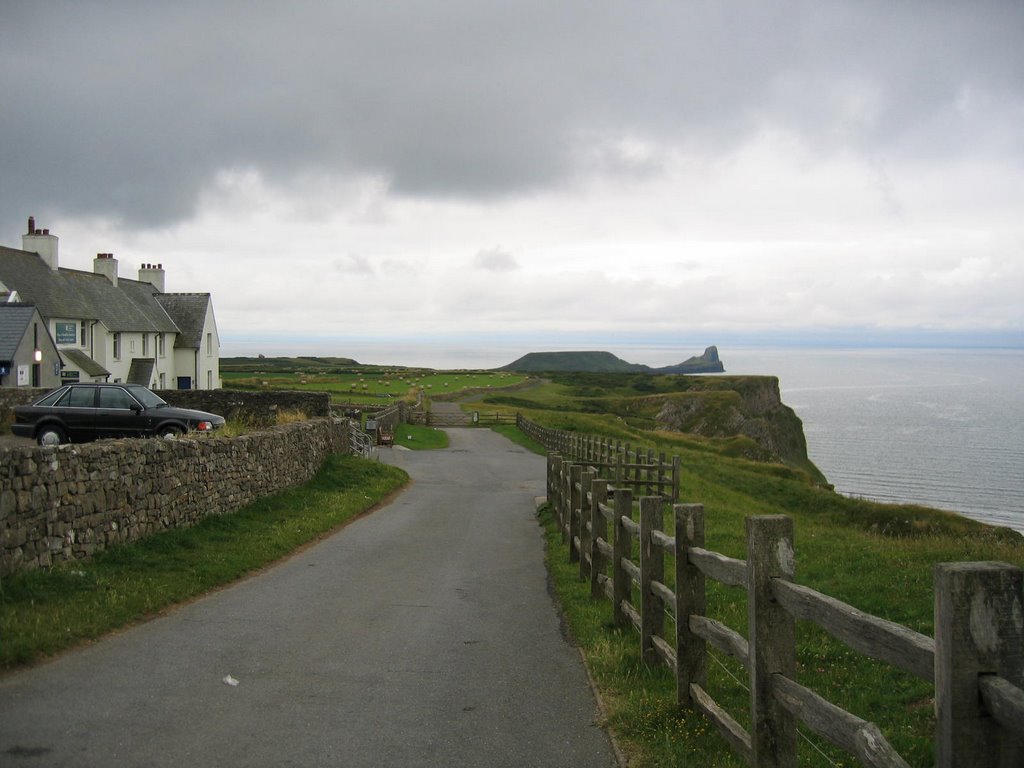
(51,436)
(170,432)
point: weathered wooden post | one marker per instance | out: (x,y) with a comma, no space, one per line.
(554,482)
(677,467)
(772,640)
(622,585)
(979,630)
(652,474)
(598,532)
(691,650)
(662,479)
(583,521)
(652,568)
(575,491)
(568,470)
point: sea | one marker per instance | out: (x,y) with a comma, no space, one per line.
(939,427)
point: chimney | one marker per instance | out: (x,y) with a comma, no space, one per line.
(152,274)
(42,243)
(106,264)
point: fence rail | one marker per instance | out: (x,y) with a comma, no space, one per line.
(975,661)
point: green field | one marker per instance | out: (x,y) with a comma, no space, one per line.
(370,386)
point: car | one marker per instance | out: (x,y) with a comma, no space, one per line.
(77,413)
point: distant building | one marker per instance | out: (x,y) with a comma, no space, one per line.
(109,328)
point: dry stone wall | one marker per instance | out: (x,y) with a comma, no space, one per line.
(66,503)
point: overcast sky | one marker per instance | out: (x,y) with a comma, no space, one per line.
(337,172)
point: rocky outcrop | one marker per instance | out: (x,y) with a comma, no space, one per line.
(606,362)
(709,362)
(753,408)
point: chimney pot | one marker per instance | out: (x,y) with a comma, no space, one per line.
(31,224)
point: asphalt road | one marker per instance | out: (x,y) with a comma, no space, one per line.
(420,635)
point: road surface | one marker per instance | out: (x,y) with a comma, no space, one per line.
(420,635)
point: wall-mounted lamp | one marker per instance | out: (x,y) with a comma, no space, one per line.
(38,355)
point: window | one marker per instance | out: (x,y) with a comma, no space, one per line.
(160,345)
(131,346)
(145,345)
(209,345)
(115,397)
(82,397)
(117,346)
(163,376)
(83,333)
(209,379)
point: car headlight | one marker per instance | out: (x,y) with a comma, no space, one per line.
(204,426)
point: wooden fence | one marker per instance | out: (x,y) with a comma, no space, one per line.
(445,419)
(975,661)
(627,466)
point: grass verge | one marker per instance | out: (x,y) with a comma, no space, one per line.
(512,432)
(45,612)
(420,438)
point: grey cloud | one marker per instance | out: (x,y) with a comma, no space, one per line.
(495,260)
(353,263)
(128,110)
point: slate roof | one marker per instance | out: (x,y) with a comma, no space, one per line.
(130,307)
(81,360)
(141,371)
(188,310)
(14,319)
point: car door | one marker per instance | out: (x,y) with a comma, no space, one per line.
(115,416)
(78,412)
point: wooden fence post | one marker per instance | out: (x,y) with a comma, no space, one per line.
(569,471)
(772,640)
(598,530)
(622,585)
(979,629)
(582,530)
(677,466)
(554,482)
(574,509)
(691,650)
(652,568)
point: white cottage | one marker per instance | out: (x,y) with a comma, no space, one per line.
(110,328)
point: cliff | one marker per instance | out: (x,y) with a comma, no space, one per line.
(751,406)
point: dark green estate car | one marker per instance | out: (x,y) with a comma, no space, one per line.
(78,413)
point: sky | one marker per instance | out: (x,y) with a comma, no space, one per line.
(355,178)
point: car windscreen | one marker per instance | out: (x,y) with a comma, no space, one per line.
(146,397)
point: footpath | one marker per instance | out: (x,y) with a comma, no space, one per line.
(420,635)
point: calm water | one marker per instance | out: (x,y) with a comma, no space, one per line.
(943,428)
